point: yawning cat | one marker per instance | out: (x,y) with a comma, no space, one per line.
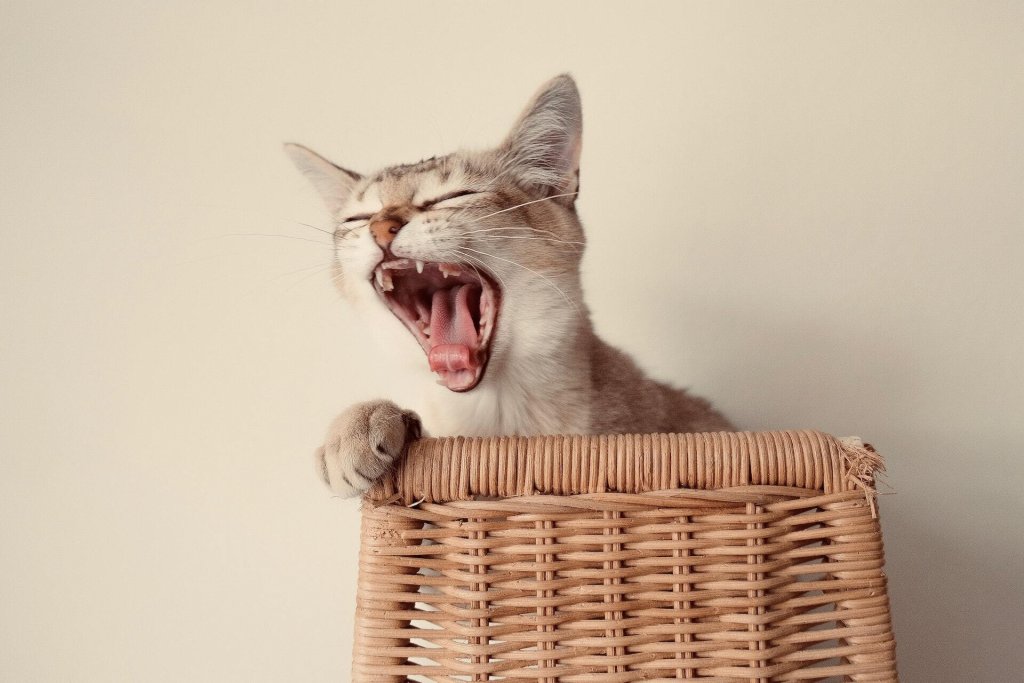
(478,255)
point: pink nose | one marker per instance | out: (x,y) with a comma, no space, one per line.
(384,231)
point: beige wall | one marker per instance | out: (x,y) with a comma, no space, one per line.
(811,212)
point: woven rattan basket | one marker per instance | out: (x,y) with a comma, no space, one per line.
(727,557)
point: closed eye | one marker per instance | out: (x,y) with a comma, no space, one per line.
(445,197)
(360,217)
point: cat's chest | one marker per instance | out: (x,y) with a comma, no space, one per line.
(497,413)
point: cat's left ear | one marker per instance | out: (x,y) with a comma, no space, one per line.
(543,149)
(334,183)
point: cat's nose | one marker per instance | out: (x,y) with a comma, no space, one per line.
(384,230)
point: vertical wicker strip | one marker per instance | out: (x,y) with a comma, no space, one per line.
(746,557)
(382,604)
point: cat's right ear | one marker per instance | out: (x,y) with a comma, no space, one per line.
(543,149)
(334,183)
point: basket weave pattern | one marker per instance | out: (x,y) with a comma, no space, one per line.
(726,557)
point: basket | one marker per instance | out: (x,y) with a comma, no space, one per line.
(727,557)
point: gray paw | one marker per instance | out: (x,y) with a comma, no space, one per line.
(363,443)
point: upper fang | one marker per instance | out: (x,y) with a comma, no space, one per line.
(419,266)
(449,269)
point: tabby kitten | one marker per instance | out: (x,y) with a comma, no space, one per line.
(477,255)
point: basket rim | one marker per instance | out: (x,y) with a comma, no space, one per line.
(458,468)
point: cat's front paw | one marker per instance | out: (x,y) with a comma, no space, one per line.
(363,443)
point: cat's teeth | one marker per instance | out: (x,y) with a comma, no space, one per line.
(383,280)
(419,266)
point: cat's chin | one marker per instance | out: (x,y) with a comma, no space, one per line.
(450,309)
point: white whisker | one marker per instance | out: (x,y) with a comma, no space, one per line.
(462,254)
(520,228)
(555,246)
(313,227)
(510,208)
(525,237)
(540,275)
(517,206)
(306,277)
(299,270)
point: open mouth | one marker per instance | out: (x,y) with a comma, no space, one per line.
(451,310)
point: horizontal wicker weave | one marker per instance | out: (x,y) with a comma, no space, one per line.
(727,557)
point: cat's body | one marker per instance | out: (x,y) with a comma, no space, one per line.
(477,254)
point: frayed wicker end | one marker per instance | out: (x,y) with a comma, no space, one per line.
(726,557)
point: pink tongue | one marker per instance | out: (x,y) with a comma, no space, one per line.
(453,335)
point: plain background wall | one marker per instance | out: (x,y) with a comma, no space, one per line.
(810,212)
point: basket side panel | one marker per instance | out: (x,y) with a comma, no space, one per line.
(760,584)
(856,561)
(386,594)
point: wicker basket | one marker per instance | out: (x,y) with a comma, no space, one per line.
(727,557)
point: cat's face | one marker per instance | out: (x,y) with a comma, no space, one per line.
(476,253)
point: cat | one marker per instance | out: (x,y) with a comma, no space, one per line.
(477,254)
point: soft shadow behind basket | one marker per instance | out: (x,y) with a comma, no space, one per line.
(727,557)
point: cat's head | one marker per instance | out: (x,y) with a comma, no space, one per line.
(476,253)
